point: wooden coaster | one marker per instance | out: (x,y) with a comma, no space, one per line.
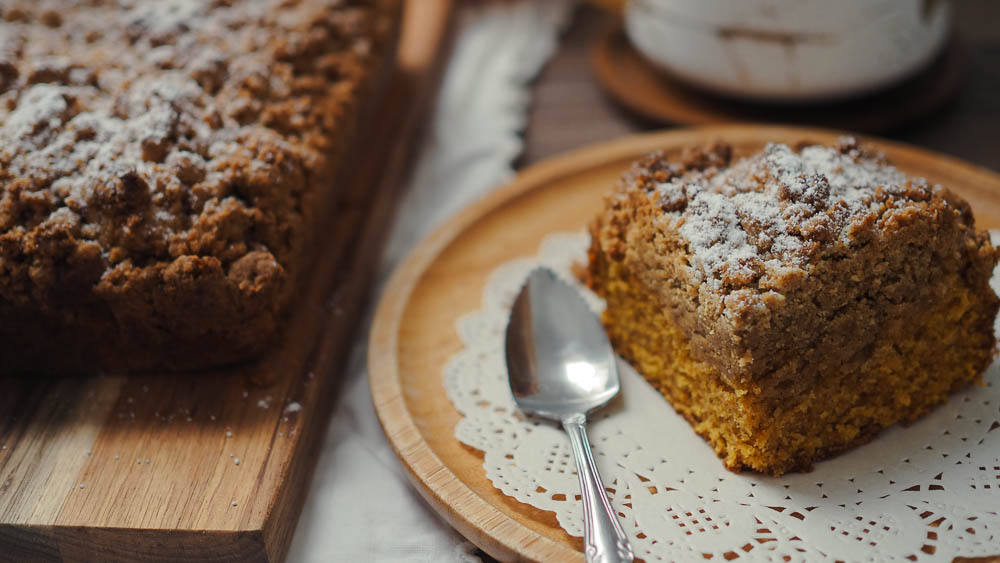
(413,335)
(653,94)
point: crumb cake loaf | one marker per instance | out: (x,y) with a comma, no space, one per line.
(162,165)
(793,303)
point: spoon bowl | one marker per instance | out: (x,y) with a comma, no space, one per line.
(559,360)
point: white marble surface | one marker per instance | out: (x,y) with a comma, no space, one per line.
(361,506)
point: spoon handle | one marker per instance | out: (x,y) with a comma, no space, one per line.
(603,538)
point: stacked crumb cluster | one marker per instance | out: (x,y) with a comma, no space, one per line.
(793,303)
(161,164)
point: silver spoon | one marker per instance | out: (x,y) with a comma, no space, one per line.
(561,367)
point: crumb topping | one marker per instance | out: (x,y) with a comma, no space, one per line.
(769,214)
(134,133)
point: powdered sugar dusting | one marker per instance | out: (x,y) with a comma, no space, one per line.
(165,17)
(80,126)
(41,110)
(140,126)
(771,211)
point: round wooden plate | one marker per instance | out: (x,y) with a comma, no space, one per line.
(652,94)
(414,329)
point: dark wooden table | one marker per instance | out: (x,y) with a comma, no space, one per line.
(570,109)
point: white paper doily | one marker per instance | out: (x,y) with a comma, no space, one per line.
(923,493)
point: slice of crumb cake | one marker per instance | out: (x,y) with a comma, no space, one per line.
(793,303)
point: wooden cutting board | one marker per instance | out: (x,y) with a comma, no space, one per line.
(413,335)
(213,466)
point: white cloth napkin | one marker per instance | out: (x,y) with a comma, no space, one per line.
(361,506)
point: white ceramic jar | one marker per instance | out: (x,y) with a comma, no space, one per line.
(789,50)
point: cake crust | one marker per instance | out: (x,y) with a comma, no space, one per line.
(161,168)
(792,273)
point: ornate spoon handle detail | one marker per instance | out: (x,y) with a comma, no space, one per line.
(603,537)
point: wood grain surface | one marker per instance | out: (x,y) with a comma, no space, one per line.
(214,466)
(414,330)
